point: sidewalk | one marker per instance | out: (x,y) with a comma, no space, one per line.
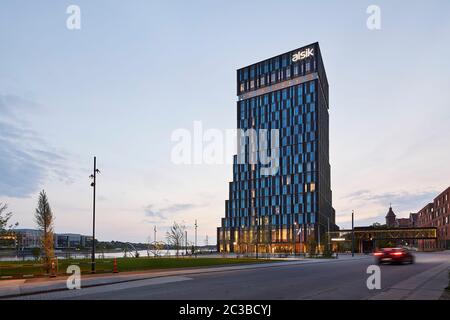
(427,285)
(12,288)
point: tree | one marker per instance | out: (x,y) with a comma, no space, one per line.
(327,248)
(44,219)
(312,245)
(149,243)
(4,218)
(7,237)
(175,236)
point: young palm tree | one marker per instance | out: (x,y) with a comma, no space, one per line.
(44,219)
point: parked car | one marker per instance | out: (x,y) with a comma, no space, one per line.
(394,255)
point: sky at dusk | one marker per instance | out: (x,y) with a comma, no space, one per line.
(136,71)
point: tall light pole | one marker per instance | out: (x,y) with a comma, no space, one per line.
(154,234)
(328,236)
(304,235)
(353,233)
(257,236)
(318,237)
(195,245)
(295,237)
(185,241)
(93,185)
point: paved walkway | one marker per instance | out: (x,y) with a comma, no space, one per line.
(428,285)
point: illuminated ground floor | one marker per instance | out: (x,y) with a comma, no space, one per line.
(314,239)
(309,238)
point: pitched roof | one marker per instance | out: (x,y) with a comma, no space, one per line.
(390,213)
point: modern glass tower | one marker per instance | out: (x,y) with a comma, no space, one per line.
(289,211)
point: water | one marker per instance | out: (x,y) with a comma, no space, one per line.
(99,255)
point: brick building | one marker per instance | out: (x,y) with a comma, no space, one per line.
(437,214)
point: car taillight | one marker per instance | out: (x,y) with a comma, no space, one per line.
(378,254)
(397,253)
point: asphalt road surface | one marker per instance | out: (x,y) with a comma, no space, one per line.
(340,279)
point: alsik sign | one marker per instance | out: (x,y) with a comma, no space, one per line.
(303,54)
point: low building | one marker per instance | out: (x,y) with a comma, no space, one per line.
(403,223)
(413,217)
(71,241)
(7,240)
(31,238)
(407,232)
(28,238)
(437,214)
(370,238)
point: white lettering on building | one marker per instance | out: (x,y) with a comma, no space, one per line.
(302,54)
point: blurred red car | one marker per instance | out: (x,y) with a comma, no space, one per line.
(393,255)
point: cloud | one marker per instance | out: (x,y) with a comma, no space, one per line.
(25,158)
(12,106)
(357,194)
(168,211)
(401,200)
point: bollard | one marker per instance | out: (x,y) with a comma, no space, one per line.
(53,274)
(115,266)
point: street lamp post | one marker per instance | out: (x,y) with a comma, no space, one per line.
(257,236)
(195,245)
(295,237)
(292,238)
(94,185)
(353,233)
(304,235)
(318,238)
(328,235)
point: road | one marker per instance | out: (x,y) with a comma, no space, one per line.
(342,279)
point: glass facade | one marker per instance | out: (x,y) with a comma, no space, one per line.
(290,210)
